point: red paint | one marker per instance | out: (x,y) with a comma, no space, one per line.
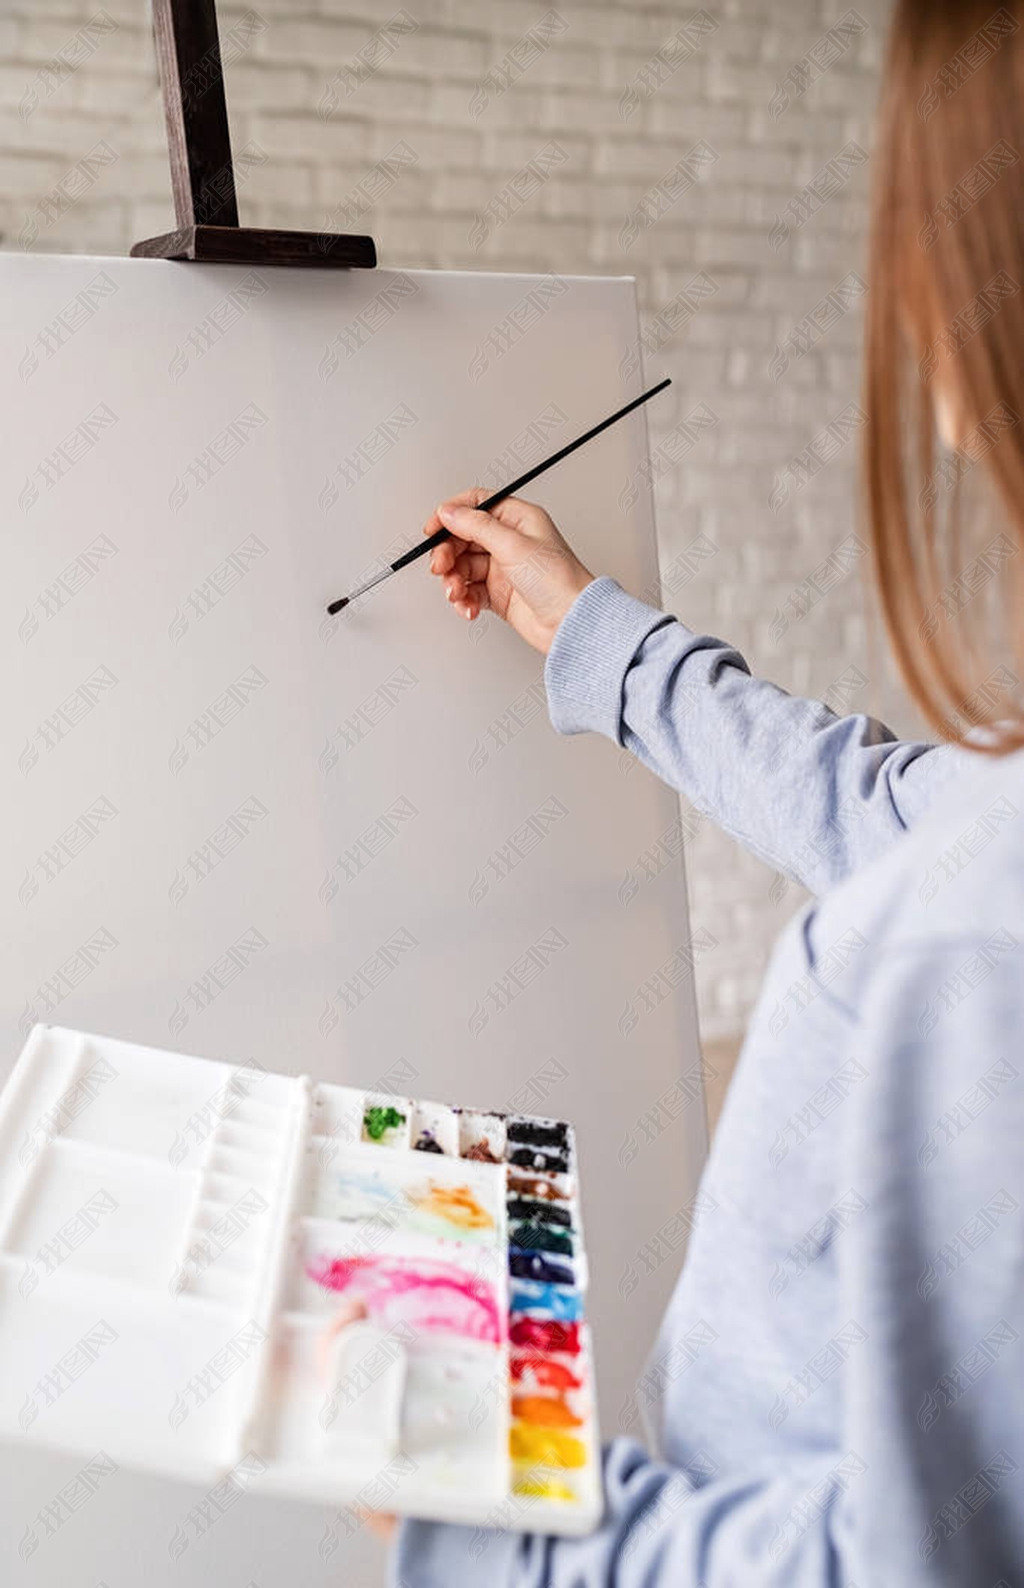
(544,1334)
(553,1375)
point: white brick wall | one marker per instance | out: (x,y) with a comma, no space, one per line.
(569,94)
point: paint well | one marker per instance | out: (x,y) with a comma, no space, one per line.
(527,1185)
(531,1265)
(545,1372)
(551,1301)
(549,1447)
(543,1489)
(543,1334)
(545,1411)
(542,1238)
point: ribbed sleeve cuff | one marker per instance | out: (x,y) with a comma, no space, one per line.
(434,1555)
(590,653)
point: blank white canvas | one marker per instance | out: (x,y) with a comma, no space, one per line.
(351,848)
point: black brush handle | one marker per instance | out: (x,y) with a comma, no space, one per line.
(422,549)
(531,474)
(441,535)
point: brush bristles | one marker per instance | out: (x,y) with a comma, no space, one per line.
(336,606)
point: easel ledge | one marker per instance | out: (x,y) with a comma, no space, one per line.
(202,170)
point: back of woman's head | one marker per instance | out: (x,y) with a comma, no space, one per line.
(945,347)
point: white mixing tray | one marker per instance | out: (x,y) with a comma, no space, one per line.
(223,1274)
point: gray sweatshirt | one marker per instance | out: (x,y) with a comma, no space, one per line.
(836,1397)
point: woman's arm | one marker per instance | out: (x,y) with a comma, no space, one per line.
(813,794)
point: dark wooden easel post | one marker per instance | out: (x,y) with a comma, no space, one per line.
(202,171)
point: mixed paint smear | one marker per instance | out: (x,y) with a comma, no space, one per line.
(423,1294)
(430,1206)
(455,1205)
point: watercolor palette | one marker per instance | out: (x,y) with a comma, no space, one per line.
(356,1298)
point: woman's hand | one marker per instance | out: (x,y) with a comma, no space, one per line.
(511,561)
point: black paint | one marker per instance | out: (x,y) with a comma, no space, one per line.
(533,1210)
(534,1134)
(556,1162)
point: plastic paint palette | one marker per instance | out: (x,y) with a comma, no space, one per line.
(209,1270)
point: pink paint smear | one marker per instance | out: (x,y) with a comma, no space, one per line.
(432,1296)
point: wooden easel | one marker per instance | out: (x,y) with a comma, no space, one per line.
(202,171)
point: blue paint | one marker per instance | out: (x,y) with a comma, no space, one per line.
(550,1300)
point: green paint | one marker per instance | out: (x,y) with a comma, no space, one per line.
(377,1120)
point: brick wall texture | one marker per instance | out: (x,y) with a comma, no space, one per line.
(720,155)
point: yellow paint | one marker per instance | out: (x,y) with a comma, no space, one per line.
(538,1490)
(546,1447)
(455,1204)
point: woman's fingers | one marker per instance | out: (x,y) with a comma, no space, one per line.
(442,558)
(466,593)
(472,565)
(469,498)
(475,600)
(458,556)
(512,554)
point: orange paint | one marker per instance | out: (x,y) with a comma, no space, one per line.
(547,1447)
(455,1204)
(546,1411)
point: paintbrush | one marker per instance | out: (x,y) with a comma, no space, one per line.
(499,496)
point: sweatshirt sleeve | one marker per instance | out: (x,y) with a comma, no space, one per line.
(811,793)
(660,1530)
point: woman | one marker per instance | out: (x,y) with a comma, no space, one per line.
(855,1413)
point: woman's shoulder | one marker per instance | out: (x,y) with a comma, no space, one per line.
(954,882)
